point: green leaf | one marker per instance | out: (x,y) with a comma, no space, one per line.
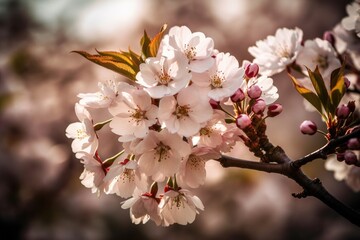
(310,96)
(150,47)
(337,87)
(121,63)
(320,88)
(144,43)
(155,42)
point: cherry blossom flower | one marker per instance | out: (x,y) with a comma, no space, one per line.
(104,98)
(160,154)
(319,53)
(85,139)
(133,115)
(210,135)
(185,113)
(268,90)
(276,52)
(192,171)
(222,79)
(143,207)
(164,76)
(123,177)
(93,175)
(352,21)
(197,48)
(179,206)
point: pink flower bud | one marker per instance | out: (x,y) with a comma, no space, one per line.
(254,92)
(274,110)
(340,157)
(243,121)
(259,106)
(353,144)
(347,82)
(251,70)
(308,127)
(342,111)
(238,96)
(329,36)
(214,104)
(350,157)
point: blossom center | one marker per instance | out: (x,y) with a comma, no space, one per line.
(81,134)
(284,52)
(138,115)
(194,161)
(190,52)
(217,80)
(322,62)
(177,201)
(162,151)
(205,131)
(128,175)
(182,111)
(164,78)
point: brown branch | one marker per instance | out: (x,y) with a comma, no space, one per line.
(326,149)
(285,166)
(227,161)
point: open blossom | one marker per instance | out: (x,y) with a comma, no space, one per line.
(104,98)
(352,21)
(123,177)
(197,48)
(133,115)
(179,207)
(185,113)
(319,53)
(143,207)
(276,52)
(210,135)
(163,75)
(93,175)
(222,79)
(161,154)
(192,171)
(85,139)
(268,90)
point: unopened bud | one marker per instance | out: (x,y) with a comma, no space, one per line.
(259,106)
(251,70)
(238,96)
(308,127)
(353,144)
(254,92)
(342,111)
(340,157)
(214,104)
(243,121)
(274,110)
(346,82)
(350,157)
(329,36)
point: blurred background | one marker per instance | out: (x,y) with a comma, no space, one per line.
(41,196)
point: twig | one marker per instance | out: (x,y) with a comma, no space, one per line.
(326,149)
(227,161)
(286,167)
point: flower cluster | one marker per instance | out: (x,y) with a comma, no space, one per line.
(169,123)
(285,51)
(189,103)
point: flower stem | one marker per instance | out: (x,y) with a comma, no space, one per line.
(99,125)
